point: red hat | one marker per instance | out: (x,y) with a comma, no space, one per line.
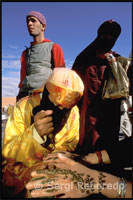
(38,15)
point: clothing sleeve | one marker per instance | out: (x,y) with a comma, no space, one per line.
(120,154)
(58,56)
(37,137)
(19,144)
(23,68)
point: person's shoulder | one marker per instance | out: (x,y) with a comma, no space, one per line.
(56,47)
(26,102)
(123,60)
(83,55)
(46,40)
(22,102)
(23,53)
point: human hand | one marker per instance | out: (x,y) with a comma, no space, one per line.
(91,158)
(67,179)
(110,57)
(52,157)
(43,122)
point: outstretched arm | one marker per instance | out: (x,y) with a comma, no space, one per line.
(70,179)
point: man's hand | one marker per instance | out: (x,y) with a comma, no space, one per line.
(43,122)
(67,179)
(91,158)
(53,157)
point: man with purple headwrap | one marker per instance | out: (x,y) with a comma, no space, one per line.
(38,61)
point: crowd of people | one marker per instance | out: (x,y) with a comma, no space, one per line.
(62,138)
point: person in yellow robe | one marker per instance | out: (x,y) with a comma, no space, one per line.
(45,122)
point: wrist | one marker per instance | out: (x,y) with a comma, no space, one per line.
(121,188)
(105,157)
(91,158)
(99,156)
(100,183)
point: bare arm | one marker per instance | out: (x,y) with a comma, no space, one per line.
(80,181)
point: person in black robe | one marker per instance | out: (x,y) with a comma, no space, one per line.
(100,119)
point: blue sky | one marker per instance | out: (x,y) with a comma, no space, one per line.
(73,25)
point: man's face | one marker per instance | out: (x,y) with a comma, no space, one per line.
(57,104)
(106,42)
(34,26)
(58,112)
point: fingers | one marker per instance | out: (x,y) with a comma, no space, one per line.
(35,174)
(43,193)
(66,160)
(62,196)
(48,182)
(39,183)
(46,119)
(51,161)
(44,129)
(35,184)
(49,130)
(53,188)
(43,117)
(50,158)
(53,155)
(61,161)
(43,122)
(56,163)
(45,113)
